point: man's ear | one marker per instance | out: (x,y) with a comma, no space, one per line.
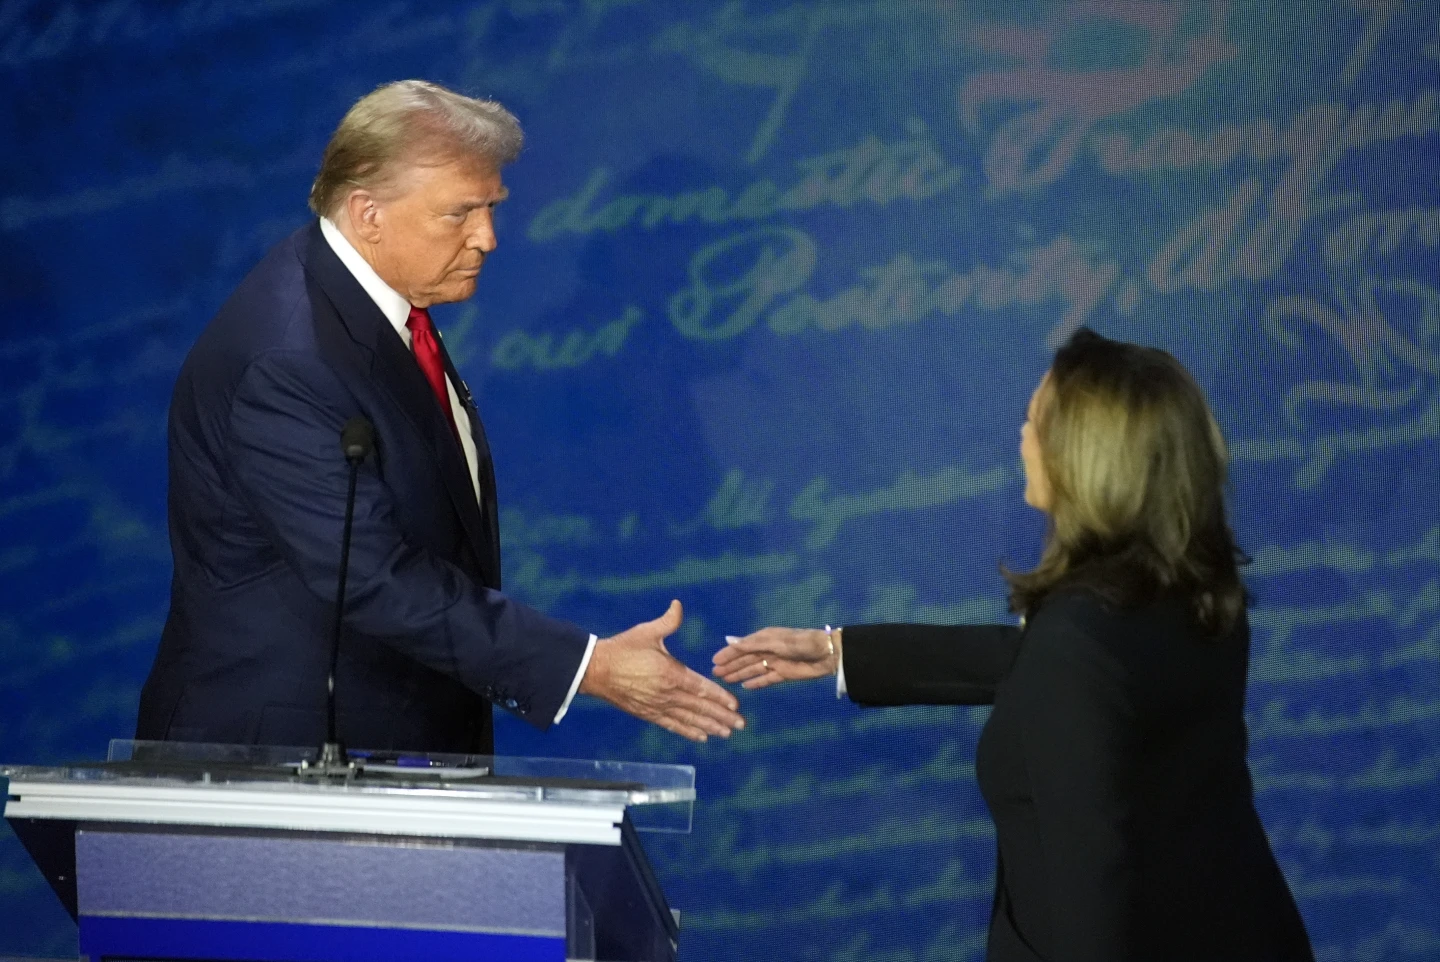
(365,214)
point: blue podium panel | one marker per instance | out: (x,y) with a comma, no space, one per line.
(153,939)
(267,895)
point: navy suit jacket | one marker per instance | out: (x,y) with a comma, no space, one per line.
(256,508)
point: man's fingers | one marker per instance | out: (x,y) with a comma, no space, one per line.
(710,691)
(705,708)
(699,721)
(708,708)
(681,729)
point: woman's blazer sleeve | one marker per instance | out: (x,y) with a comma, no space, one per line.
(927,664)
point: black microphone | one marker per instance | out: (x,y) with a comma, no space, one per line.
(357,440)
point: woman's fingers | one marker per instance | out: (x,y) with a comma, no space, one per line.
(799,645)
(742,667)
(730,653)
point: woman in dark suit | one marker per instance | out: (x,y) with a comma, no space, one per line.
(1113,762)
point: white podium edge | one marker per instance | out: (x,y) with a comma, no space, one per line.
(424,814)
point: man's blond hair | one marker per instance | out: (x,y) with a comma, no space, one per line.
(405,124)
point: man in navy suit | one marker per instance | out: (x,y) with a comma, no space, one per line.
(332,325)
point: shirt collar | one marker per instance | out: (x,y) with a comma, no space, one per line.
(394,306)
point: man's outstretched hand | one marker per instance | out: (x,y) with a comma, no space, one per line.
(634,672)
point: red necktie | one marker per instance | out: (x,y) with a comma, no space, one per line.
(427,355)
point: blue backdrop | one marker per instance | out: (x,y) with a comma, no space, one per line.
(773,288)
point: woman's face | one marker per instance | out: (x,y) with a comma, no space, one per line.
(1037,483)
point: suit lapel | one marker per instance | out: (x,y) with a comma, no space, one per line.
(484,467)
(394,369)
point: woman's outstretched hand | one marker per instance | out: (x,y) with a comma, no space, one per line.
(773,655)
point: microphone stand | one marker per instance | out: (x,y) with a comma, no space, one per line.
(357,439)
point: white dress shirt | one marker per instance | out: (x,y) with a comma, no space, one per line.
(397,311)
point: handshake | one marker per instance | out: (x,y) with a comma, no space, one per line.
(634,672)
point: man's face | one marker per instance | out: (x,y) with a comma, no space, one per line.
(434,233)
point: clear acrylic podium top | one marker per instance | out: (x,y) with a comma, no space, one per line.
(655,797)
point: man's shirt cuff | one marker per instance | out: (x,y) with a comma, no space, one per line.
(575,685)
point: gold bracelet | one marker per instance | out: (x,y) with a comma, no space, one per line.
(830,640)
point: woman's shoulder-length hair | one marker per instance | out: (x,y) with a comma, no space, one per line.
(1136,466)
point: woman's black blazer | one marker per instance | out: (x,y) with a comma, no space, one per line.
(1113,764)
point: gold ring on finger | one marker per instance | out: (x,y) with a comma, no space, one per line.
(764,664)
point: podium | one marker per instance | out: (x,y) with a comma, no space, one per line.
(171,850)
